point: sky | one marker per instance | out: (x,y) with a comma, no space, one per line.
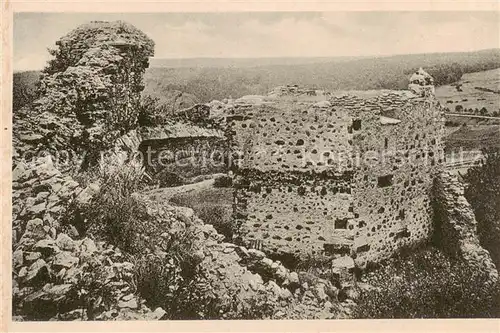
(272,34)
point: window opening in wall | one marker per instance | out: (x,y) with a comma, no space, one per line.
(386,143)
(403,234)
(356,124)
(384,181)
(341,224)
(340,249)
(401,214)
(363,248)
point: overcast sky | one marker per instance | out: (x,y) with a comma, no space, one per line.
(284,34)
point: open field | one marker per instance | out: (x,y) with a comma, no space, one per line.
(474,91)
(473,138)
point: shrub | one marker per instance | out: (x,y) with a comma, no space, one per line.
(113,213)
(223,181)
(427,284)
(175,282)
(152,112)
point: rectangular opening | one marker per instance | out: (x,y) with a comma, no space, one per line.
(384,181)
(386,143)
(401,214)
(363,248)
(341,223)
(340,249)
(356,124)
(403,234)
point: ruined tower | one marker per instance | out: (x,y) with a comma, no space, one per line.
(90,91)
(346,176)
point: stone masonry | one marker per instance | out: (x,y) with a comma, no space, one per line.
(336,174)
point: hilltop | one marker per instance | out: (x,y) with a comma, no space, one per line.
(205,79)
(218,81)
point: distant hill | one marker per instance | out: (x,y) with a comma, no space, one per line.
(242,62)
(219,82)
(208,79)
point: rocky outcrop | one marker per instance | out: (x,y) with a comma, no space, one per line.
(456,226)
(89,93)
(58,274)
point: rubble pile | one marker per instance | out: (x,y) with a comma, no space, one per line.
(57,273)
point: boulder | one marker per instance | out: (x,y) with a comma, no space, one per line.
(64,242)
(64,260)
(17,258)
(32,256)
(38,271)
(131,304)
(46,247)
(88,246)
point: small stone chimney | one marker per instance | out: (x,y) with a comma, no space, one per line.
(422,84)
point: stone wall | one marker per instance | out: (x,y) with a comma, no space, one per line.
(292,213)
(292,186)
(184,157)
(350,175)
(456,226)
(175,153)
(397,137)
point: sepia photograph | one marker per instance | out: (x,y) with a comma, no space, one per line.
(253,165)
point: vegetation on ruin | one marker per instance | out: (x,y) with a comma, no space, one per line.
(427,284)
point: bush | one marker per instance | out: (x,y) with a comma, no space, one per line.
(114,214)
(426,284)
(212,205)
(166,268)
(152,112)
(223,181)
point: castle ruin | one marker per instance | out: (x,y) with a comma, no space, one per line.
(341,175)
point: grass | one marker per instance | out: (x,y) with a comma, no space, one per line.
(212,205)
(473,138)
(474,91)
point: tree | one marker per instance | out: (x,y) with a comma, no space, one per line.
(483,111)
(459,108)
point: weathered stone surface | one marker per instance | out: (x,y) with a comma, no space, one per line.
(422,84)
(97,72)
(311,183)
(64,242)
(456,226)
(39,270)
(64,259)
(32,256)
(46,246)
(87,246)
